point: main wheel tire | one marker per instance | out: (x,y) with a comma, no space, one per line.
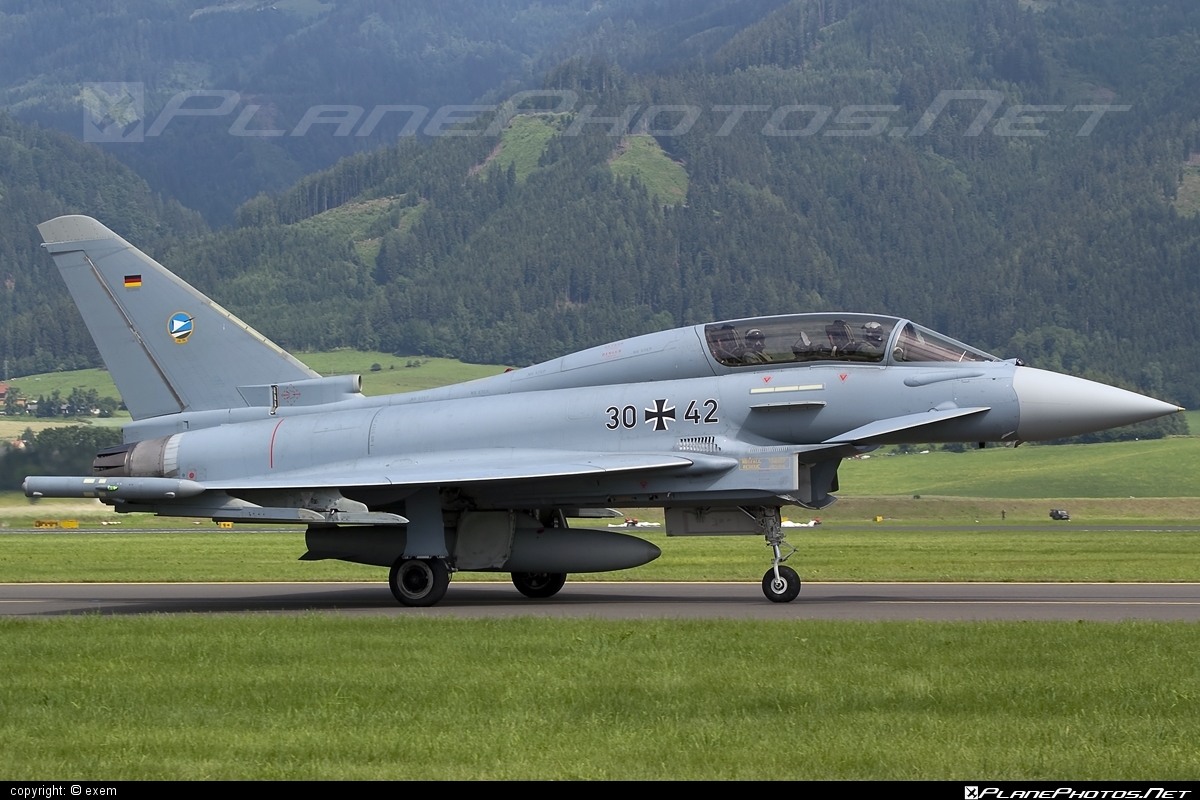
(419,582)
(539,584)
(783,590)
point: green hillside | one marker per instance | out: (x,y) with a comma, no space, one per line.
(361,223)
(523,142)
(642,158)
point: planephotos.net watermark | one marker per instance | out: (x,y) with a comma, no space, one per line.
(115,112)
(1069,793)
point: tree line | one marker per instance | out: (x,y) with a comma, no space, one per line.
(67,450)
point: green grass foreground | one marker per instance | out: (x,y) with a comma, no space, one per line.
(825,554)
(325,697)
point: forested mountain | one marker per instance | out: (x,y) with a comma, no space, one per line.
(287,56)
(1075,252)
(44,174)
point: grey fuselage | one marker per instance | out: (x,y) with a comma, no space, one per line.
(751,431)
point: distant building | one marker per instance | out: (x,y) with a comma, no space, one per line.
(19,402)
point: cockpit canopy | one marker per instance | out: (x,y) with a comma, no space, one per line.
(868,338)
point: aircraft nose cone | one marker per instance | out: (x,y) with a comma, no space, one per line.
(1055,406)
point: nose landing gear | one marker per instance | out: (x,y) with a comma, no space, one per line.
(781,584)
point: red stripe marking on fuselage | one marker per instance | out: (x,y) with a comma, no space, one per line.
(271,450)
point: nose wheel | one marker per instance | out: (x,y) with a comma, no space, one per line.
(781,588)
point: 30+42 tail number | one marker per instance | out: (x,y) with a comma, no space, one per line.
(661,415)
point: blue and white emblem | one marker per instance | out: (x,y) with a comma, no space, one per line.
(180,326)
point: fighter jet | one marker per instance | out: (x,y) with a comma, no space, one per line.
(718,424)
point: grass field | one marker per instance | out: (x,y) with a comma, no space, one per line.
(1158,468)
(33,385)
(11,428)
(826,553)
(328,697)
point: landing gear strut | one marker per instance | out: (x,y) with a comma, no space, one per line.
(781,584)
(419,582)
(539,584)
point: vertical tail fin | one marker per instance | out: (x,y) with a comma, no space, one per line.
(168,347)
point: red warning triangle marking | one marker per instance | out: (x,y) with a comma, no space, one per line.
(766,378)
(843,376)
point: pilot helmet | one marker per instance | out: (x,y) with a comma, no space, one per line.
(873,332)
(755,336)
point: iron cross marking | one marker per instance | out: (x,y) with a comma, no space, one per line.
(660,414)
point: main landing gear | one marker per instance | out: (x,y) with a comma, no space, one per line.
(781,584)
(419,582)
(539,584)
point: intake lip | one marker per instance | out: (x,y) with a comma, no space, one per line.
(1054,406)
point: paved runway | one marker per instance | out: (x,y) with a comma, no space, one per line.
(857,601)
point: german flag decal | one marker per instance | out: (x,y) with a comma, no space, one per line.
(133,281)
